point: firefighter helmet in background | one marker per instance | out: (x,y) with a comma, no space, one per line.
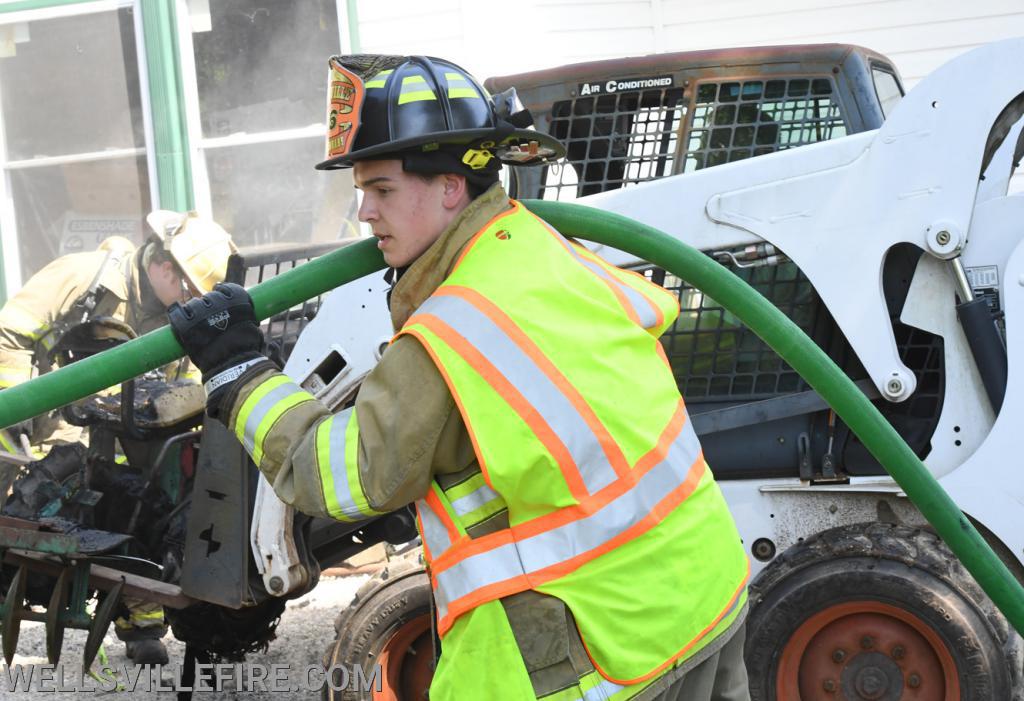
(425,109)
(200,246)
(119,246)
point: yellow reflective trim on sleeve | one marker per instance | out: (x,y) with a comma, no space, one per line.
(11,375)
(147,617)
(271,418)
(7,443)
(253,399)
(262,408)
(22,322)
(337,459)
(48,340)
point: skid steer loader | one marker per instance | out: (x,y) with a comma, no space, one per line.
(881,225)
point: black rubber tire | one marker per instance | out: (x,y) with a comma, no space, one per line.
(908,568)
(391,599)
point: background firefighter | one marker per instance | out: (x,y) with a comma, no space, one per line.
(183,257)
(549,479)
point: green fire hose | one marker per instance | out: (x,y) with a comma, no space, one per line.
(351,262)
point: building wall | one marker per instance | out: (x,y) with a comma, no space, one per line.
(919,35)
(489,39)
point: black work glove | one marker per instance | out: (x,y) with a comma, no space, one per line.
(220,333)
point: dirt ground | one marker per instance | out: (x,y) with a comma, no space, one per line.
(306,628)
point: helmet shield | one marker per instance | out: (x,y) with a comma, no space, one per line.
(423,105)
(346,93)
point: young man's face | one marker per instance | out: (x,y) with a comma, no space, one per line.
(406,212)
(166,282)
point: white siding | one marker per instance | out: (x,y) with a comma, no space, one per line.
(491,37)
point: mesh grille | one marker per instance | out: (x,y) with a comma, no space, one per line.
(613,141)
(733,120)
(254,265)
(715,357)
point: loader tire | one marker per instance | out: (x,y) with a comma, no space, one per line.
(387,623)
(881,612)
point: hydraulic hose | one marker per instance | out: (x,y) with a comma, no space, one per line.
(352,262)
(804,356)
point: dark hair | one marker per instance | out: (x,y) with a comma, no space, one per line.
(474,186)
(161,255)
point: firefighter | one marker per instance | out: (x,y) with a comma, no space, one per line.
(577,543)
(183,257)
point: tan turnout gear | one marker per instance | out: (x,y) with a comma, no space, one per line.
(122,304)
(200,246)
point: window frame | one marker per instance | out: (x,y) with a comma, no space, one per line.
(199,144)
(173,144)
(10,270)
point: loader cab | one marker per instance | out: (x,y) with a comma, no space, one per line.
(628,121)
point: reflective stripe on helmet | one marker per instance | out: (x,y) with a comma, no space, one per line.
(415,89)
(458,86)
(380,79)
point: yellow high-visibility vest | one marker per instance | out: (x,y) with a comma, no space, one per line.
(552,357)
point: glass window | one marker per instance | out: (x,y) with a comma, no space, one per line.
(773,115)
(73,87)
(270,193)
(263,65)
(261,79)
(70,208)
(888,90)
(73,129)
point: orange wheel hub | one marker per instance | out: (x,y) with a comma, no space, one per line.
(866,651)
(407,663)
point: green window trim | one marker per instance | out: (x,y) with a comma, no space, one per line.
(167,106)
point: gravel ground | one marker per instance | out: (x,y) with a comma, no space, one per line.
(305,629)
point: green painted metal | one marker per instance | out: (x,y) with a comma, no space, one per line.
(167,104)
(352,7)
(292,287)
(38,541)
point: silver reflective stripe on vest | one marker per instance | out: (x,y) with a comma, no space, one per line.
(551,547)
(339,468)
(435,535)
(262,408)
(538,389)
(642,307)
(603,691)
(474,500)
